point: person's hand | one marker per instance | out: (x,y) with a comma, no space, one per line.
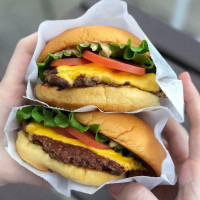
(185,152)
(12,90)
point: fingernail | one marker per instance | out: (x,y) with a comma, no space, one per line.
(116,188)
(188,76)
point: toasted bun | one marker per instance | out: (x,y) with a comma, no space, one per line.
(107,98)
(35,156)
(129,131)
(74,36)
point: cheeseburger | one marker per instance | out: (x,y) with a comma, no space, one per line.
(90,148)
(97,65)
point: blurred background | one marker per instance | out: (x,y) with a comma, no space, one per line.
(173,26)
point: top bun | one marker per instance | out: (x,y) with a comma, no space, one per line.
(130,132)
(74,36)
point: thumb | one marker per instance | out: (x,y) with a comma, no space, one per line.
(130,191)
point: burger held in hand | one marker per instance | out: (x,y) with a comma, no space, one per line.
(97,65)
(90,148)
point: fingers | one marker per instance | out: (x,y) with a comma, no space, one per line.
(12,87)
(20,60)
(177,139)
(165,192)
(28,177)
(192,105)
(130,191)
(191,97)
(12,172)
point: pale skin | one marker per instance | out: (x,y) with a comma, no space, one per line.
(184,150)
(12,88)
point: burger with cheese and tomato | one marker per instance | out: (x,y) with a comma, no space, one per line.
(97,65)
(90,148)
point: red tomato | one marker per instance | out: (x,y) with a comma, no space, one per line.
(87,138)
(64,132)
(69,61)
(114,64)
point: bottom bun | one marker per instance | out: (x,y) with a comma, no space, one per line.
(107,98)
(35,156)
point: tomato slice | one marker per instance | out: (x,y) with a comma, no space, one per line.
(69,61)
(114,64)
(87,138)
(63,132)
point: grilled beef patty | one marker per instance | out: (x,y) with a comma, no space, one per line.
(80,156)
(52,79)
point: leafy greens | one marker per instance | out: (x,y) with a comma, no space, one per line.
(112,50)
(52,118)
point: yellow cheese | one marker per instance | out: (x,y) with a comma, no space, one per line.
(128,163)
(145,82)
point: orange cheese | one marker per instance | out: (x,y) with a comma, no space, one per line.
(145,82)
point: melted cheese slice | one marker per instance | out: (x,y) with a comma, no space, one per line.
(145,82)
(128,163)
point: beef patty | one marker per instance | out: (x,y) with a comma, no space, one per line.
(80,156)
(81,81)
(52,79)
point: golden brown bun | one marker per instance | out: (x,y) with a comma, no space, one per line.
(129,131)
(74,36)
(35,156)
(107,98)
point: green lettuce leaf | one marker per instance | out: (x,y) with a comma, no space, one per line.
(118,148)
(24,114)
(76,124)
(101,138)
(112,50)
(52,118)
(125,152)
(37,113)
(61,120)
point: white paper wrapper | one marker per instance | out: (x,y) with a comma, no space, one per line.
(156,118)
(111,13)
